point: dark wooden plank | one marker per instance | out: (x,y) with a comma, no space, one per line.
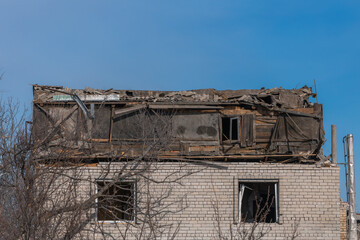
(177,106)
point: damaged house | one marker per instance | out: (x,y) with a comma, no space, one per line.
(199,164)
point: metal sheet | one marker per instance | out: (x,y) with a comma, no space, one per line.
(352,200)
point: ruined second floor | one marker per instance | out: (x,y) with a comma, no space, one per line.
(267,124)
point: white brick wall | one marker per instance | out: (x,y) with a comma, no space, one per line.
(307,194)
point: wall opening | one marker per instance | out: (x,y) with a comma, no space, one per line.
(258,201)
(117,203)
(230,128)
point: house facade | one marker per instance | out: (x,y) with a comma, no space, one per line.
(199,164)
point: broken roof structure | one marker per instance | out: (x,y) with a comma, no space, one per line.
(270,98)
(266,124)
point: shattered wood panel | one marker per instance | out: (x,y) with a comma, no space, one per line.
(247,134)
(236,110)
(83,126)
(237,149)
(199,150)
(302,148)
(142,125)
(42,125)
(199,147)
(196,127)
(304,110)
(101,122)
(264,126)
(69,127)
(290,100)
(129,126)
(296,128)
(297,134)
(48,116)
(263,132)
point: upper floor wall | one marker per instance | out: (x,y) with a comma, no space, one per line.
(267,123)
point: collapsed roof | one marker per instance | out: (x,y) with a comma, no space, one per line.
(207,123)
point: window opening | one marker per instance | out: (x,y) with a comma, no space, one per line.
(258,202)
(117,203)
(230,128)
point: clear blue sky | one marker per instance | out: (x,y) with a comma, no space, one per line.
(188,44)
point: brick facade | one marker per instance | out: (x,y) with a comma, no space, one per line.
(308,197)
(344,206)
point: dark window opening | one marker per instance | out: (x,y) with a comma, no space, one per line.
(129,93)
(117,203)
(230,128)
(258,202)
(267,99)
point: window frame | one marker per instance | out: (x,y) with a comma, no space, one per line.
(237,121)
(246,129)
(276,183)
(134,188)
(231,119)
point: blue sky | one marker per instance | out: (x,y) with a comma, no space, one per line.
(187,44)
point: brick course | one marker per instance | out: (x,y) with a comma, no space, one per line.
(308,195)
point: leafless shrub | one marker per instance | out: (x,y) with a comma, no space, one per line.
(242,230)
(295,233)
(50,192)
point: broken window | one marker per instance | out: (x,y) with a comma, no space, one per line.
(230,128)
(117,203)
(239,129)
(258,201)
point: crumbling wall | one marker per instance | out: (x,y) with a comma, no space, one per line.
(268,124)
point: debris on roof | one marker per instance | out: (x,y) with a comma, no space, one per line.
(269,98)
